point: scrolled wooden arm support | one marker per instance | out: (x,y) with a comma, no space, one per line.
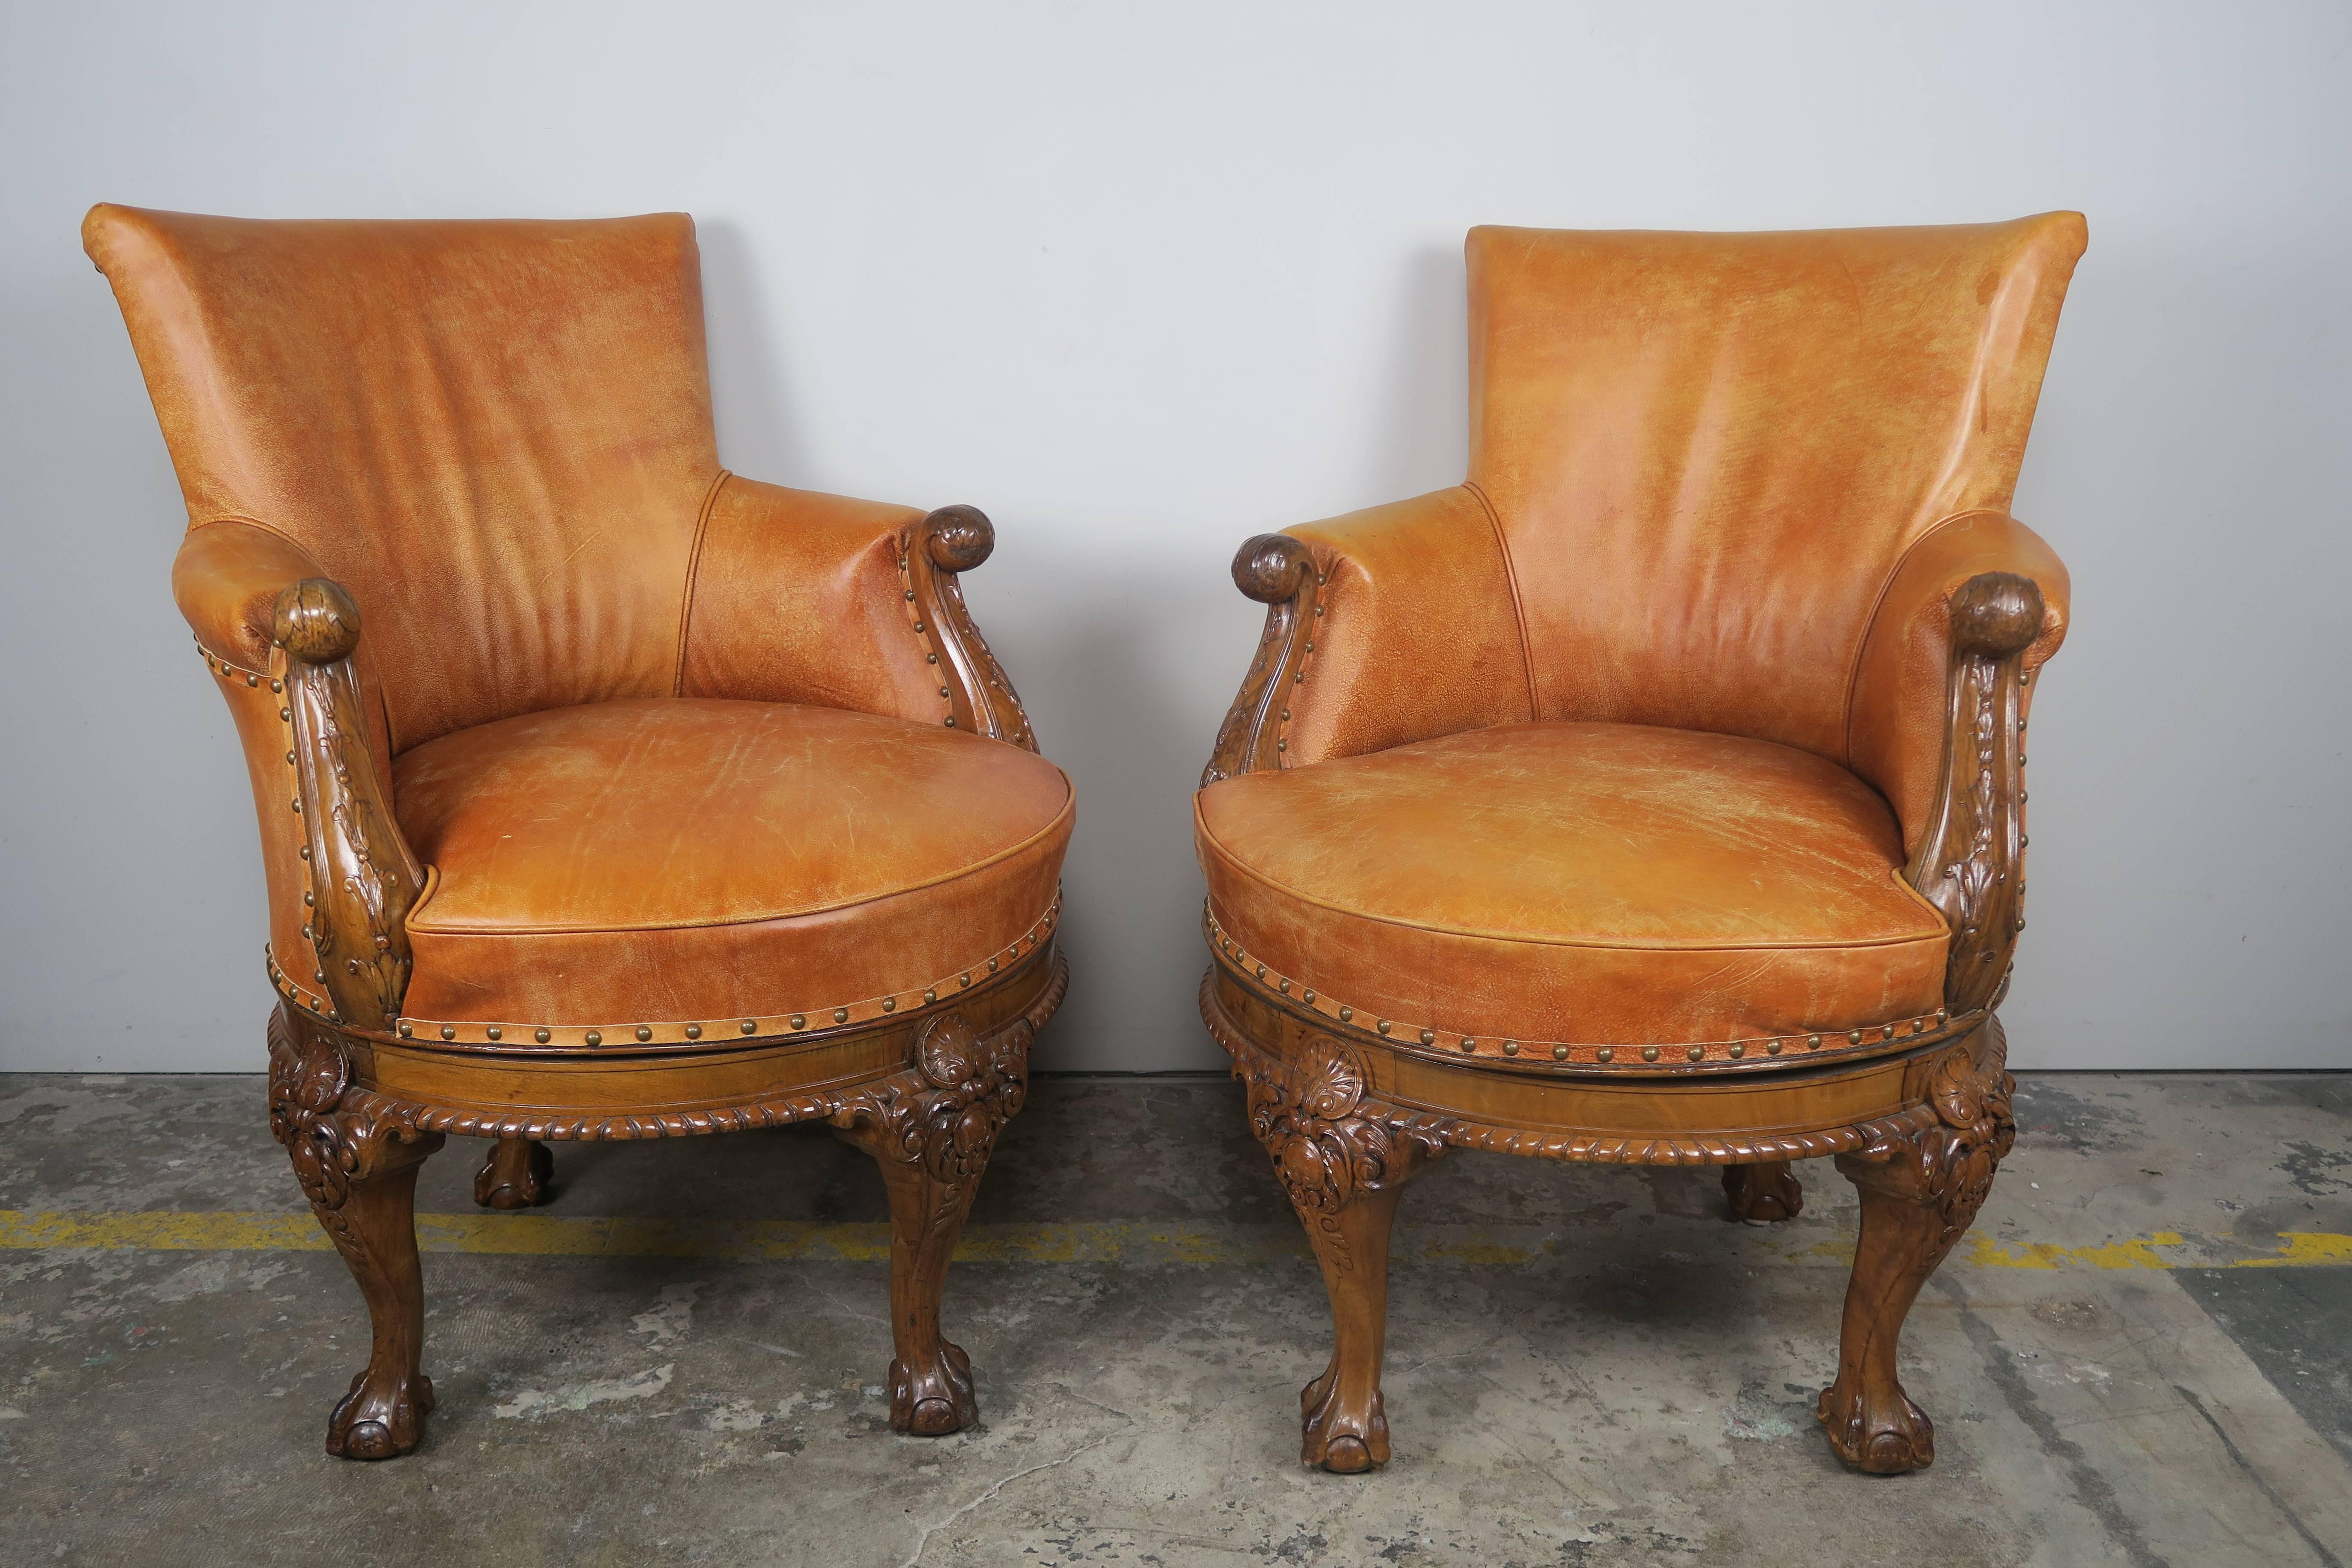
(980,698)
(1970,863)
(1278,571)
(363,876)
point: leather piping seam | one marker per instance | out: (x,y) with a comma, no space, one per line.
(1518,607)
(1069,811)
(1492,1049)
(1870,622)
(693,576)
(712,1033)
(1941,935)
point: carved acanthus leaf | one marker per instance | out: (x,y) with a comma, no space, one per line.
(363,877)
(945,1112)
(1278,571)
(978,693)
(1970,863)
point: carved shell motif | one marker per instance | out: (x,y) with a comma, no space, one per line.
(1324,1151)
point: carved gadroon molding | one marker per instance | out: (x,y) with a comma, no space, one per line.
(1581,1148)
(1970,863)
(357,1169)
(1919,1192)
(977,694)
(1278,571)
(363,877)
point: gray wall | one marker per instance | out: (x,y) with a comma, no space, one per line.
(1143,281)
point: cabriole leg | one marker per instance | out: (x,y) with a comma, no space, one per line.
(1764,1191)
(383,1416)
(517,1175)
(1344,1168)
(932,1131)
(1345,1428)
(359,1170)
(931,1376)
(1919,1192)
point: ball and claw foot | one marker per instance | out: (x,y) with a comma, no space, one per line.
(519,1175)
(1763,1193)
(380,1424)
(1875,1436)
(1343,1441)
(937,1400)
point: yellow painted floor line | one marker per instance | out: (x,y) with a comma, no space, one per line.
(559,1235)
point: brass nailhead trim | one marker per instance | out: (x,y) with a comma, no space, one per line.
(541,1036)
(1738,1051)
(1510,1048)
(889,1004)
(595,1038)
(1560,1053)
(447,1033)
(799,1022)
(1649,1053)
(643,1033)
(841,1015)
(1604,1054)
(492,1031)
(694,1031)
(1699,1052)
(1429,1036)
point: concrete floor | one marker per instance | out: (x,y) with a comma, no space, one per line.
(2142,1355)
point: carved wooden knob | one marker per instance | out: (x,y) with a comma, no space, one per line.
(1995,614)
(959,537)
(317,621)
(1272,567)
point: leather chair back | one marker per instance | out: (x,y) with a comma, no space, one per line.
(1708,454)
(496,435)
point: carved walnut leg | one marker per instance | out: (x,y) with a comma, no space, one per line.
(383,1416)
(1344,1170)
(931,1376)
(932,1131)
(516,1176)
(1919,1194)
(359,1170)
(1764,1191)
(1345,1426)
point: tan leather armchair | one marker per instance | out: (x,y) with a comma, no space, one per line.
(603,794)
(1657,797)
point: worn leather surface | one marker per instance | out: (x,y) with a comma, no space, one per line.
(682,859)
(1708,452)
(1419,635)
(798,597)
(496,435)
(1578,881)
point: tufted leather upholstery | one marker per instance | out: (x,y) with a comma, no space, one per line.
(1627,738)
(668,741)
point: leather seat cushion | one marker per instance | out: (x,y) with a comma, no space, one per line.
(677,858)
(1580,883)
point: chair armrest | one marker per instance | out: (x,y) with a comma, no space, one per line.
(802,597)
(1387,625)
(1942,683)
(283,640)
